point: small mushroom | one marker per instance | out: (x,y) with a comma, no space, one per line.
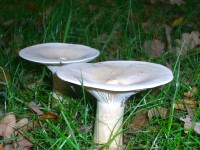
(54,55)
(112,83)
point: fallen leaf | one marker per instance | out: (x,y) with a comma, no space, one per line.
(190,111)
(24,144)
(7,125)
(158,112)
(48,115)
(177,2)
(22,122)
(180,104)
(139,121)
(177,21)
(186,43)
(35,108)
(154,48)
(189,125)
(191,93)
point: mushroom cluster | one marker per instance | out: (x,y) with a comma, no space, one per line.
(112,83)
(54,55)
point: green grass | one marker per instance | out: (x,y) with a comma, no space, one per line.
(117,29)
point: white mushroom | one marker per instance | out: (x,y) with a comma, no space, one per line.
(54,55)
(112,83)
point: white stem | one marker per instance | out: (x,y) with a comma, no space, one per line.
(109,118)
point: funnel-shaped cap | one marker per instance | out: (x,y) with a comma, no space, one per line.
(58,53)
(116,75)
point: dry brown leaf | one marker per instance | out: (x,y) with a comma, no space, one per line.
(177,2)
(36,108)
(186,43)
(49,115)
(24,144)
(189,125)
(191,93)
(22,125)
(154,48)
(180,104)
(158,112)
(190,111)
(7,125)
(139,121)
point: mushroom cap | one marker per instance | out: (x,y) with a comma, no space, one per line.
(58,53)
(116,75)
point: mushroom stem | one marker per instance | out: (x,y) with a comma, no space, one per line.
(109,117)
(60,88)
(108,125)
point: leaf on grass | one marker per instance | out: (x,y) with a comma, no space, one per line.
(191,93)
(139,121)
(158,112)
(180,104)
(186,43)
(24,143)
(190,111)
(35,108)
(48,115)
(22,123)
(177,2)
(7,125)
(154,48)
(189,125)
(177,21)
